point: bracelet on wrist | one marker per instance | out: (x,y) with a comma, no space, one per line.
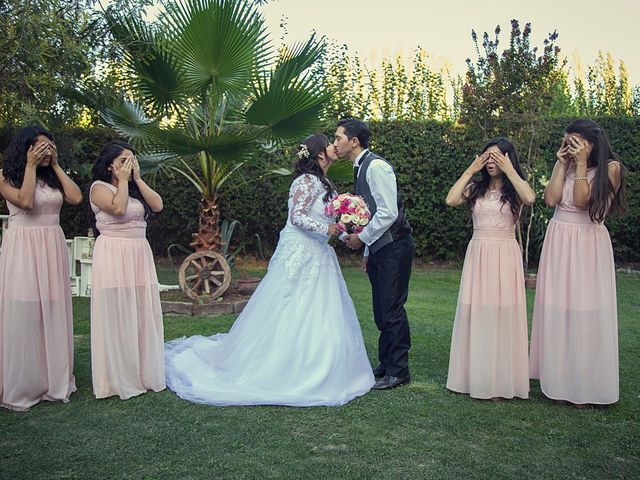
(581,178)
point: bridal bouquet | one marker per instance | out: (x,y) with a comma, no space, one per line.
(350,213)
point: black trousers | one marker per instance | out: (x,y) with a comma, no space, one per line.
(389,270)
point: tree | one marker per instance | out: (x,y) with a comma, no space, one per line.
(608,93)
(389,92)
(518,85)
(206,96)
(43,47)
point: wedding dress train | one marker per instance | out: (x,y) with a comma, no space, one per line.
(297,342)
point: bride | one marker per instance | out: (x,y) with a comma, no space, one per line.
(298,341)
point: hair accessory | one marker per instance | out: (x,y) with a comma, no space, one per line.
(303,152)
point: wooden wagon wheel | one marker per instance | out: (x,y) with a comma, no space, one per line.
(204,275)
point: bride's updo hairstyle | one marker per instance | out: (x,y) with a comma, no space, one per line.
(308,152)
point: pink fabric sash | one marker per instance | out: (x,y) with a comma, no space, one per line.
(40,220)
(125,233)
(493,234)
(580,218)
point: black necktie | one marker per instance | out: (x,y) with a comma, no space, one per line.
(355,175)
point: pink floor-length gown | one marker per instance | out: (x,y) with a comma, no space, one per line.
(489,342)
(127,338)
(574,337)
(36,320)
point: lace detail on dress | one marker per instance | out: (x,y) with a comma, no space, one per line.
(132,218)
(302,250)
(491,213)
(493,194)
(305,190)
(46,201)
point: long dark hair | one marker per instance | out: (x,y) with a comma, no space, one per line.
(479,186)
(101,172)
(604,198)
(315,144)
(15,158)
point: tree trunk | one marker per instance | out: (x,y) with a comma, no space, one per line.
(208,235)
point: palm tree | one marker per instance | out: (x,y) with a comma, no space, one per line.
(206,93)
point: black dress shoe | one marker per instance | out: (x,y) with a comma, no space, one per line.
(379,372)
(389,381)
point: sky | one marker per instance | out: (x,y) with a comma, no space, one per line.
(382,28)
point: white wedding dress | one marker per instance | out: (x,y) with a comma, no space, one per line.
(297,342)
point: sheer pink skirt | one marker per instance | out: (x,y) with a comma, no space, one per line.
(489,342)
(574,338)
(127,338)
(36,320)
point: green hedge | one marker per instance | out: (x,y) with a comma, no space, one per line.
(428,158)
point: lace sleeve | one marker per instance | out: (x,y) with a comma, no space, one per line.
(304,192)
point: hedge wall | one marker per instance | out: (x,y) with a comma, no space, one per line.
(428,157)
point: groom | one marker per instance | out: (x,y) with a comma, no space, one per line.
(388,251)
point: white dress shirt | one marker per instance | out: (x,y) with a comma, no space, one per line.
(382,183)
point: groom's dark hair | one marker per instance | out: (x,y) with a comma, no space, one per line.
(356,128)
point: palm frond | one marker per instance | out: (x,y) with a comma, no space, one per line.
(289,112)
(227,171)
(84,96)
(220,43)
(295,60)
(128,120)
(153,165)
(289,101)
(233,145)
(155,74)
(193,179)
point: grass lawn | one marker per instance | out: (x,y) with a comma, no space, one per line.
(417,431)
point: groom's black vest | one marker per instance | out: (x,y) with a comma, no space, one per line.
(400,228)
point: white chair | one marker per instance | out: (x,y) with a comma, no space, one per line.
(86,277)
(80,248)
(5,224)
(75,279)
(82,260)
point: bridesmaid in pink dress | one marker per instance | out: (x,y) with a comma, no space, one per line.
(36,321)
(574,338)
(488,358)
(127,338)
